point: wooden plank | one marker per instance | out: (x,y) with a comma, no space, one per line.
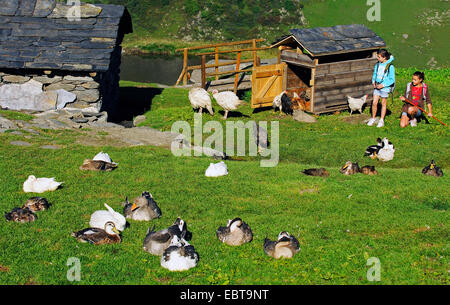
(234,51)
(222,44)
(203,71)
(267,86)
(268,73)
(216,61)
(266,99)
(219,65)
(185,63)
(236,77)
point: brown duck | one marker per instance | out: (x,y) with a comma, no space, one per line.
(99,236)
(36,204)
(236,233)
(97,165)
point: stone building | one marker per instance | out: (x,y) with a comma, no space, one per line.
(54,55)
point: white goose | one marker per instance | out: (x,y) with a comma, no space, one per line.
(386,153)
(100,218)
(40,185)
(179,256)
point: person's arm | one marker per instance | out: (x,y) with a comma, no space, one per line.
(428,100)
(390,77)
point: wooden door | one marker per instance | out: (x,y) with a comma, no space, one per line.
(267,82)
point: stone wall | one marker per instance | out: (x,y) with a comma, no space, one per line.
(84,85)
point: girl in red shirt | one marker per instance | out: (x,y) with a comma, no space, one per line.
(416,92)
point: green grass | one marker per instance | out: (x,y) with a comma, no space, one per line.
(399,216)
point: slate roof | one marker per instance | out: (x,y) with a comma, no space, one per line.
(38,34)
(334,40)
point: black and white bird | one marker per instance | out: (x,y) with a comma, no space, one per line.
(432,170)
(276,103)
(143,208)
(386,153)
(373,150)
(156,242)
(236,233)
(286,104)
(286,246)
(179,256)
(260,136)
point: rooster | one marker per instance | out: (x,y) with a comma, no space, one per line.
(356,103)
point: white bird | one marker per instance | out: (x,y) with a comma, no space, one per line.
(40,185)
(179,256)
(277,101)
(101,156)
(100,218)
(386,153)
(216,170)
(200,98)
(356,103)
(227,100)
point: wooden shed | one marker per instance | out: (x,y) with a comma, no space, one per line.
(327,63)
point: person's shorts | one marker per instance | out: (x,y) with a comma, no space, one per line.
(381,93)
(418,114)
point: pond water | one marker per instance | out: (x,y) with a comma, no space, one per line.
(153,68)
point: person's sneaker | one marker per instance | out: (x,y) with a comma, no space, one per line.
(380,123)
(413,122)
(371,122)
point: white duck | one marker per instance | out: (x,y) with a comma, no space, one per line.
(179,256)
(216,170)
(100,218)
(40,185)
(200,98)
(227,100)
(386,153)
(101,156)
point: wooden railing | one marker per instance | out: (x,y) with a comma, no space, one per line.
(216,65)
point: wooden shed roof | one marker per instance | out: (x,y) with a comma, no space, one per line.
(38,34)
(333,40)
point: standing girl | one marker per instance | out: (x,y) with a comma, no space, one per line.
(383,81)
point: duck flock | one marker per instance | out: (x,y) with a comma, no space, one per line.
(171,244)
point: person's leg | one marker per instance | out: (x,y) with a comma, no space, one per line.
(404,120)
(383,107)
(375,105)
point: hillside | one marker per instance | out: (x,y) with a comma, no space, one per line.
(417,37)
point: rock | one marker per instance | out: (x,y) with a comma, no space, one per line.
(27,96)
(6,124)
(20,143)
(78,78)
(59,85)
(45,101)
(86,11)
(301,116)
(80,120)
(9,8)
(47,80)
(43,8)
(90,85)
(89,96)
(64,97)
(405,36)
(139,119)
(50,147)
(16,79)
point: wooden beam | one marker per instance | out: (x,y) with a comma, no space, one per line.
(236,77)
(267,86)
(221,44)
(234,51)
(217,62)
(203,71)
(185,63)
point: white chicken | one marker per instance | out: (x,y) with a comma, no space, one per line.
(227,100)
(100,218)
(386,153)
(200,99)
(356,103)
(40,185)
(277,101)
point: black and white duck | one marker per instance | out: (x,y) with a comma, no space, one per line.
(432,170)
(285,247)
(155,242)
(373,150)
(21,215)
(236,233)
(368,170)
(143,207)
(36,204)
(97,236)
(321,172)
(349,168)
(179,256)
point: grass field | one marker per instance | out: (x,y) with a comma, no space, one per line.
(399,216)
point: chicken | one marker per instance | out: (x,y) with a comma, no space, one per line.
(199,99)
(277,101)
(386,153)
(227,100)
(356,103)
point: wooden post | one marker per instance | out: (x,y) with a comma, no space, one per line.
(279,55)
(236,77)
(217,62)
(254,53)
(203,71)
(185,64)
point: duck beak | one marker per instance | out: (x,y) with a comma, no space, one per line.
(134,207)
(431,166)
(116,231)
